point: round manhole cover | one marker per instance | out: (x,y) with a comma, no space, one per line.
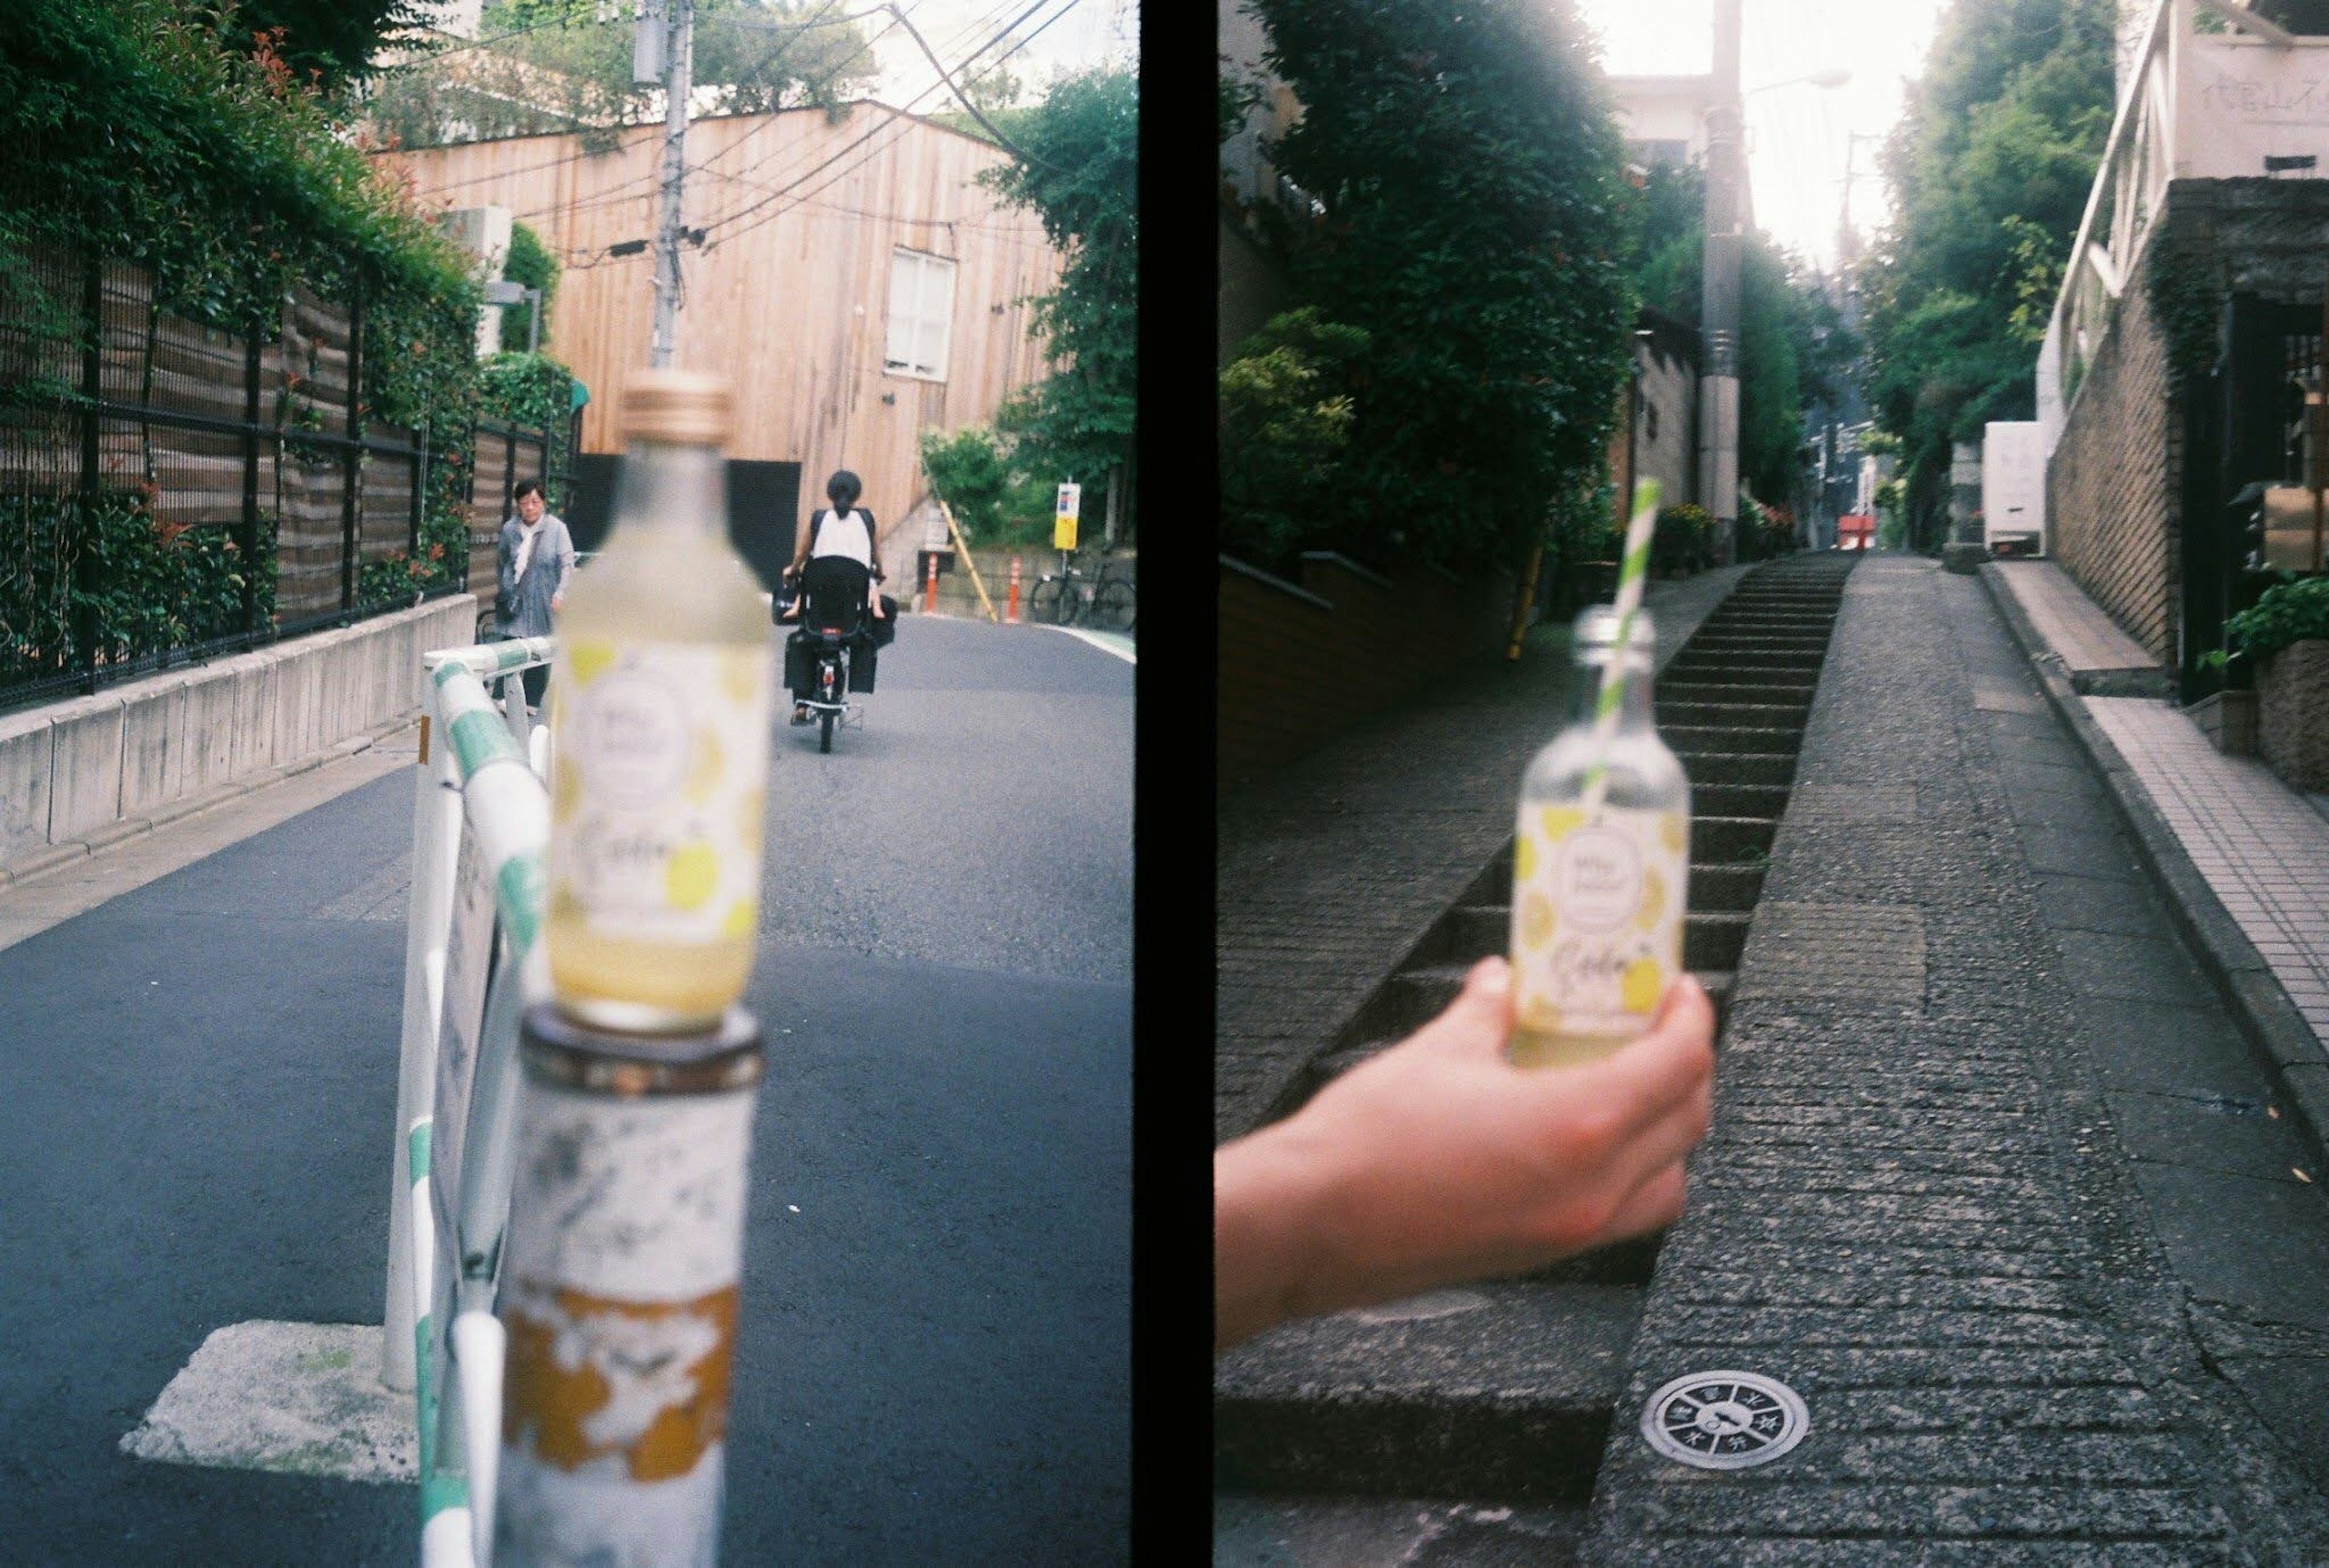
(1725,1420)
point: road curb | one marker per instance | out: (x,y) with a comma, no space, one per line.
(2285,1043)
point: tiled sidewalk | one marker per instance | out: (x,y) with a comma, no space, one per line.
(2262,848)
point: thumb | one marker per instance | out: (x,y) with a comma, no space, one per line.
(1476,1022)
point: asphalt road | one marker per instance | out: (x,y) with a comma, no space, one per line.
(934,1360)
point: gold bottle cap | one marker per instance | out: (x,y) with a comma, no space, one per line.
(678,406)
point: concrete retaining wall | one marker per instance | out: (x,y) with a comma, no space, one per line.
(78,775)
(1300,662)
(958,598)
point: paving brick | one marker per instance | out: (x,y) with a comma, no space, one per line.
(1897,1214)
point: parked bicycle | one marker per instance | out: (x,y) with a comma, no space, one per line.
(1104,601)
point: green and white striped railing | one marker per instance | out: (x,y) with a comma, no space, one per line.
(479,774)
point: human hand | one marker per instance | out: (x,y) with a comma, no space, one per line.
(1438,1161)
(558,601)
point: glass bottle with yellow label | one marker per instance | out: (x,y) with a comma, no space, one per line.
(660,700)
(1600,864)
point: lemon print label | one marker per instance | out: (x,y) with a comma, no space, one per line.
(657,783)
(1596,917)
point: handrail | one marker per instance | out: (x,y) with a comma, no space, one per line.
(2106,180)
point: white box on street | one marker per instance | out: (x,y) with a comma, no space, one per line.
(2014,487)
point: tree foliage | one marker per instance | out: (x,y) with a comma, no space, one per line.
(325,42)
(1467,213)
(995,501)
(563,65)
(1286,405)
(530,264)
(1990,169)
(1080,177)
(1793,346)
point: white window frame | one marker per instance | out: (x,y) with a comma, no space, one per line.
(921,301)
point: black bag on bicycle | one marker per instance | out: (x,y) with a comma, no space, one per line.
(800,669)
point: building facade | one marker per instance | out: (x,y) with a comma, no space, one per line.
(845,272)
(2186,343)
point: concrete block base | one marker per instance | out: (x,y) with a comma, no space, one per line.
(89,771)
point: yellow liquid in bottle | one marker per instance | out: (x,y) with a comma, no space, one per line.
(1537,1048)
(645,987)
(1600,871)
(662,583)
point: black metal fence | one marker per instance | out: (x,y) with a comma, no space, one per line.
(169,491)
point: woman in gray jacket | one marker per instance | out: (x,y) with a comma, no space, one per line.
(533,557)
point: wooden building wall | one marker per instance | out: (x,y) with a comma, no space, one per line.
(789,294)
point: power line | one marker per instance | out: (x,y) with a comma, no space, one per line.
(837,156)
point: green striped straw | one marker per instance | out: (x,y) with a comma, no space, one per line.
(1632,571)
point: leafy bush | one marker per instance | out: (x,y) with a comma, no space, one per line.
(1285,409)
(529,264)
(994,502)
(2293,610)
(150,132)
(1682,540)
(1776,529)
(139,584)
(533,392)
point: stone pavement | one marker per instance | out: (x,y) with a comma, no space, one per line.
(1330,870)
(2019,1215)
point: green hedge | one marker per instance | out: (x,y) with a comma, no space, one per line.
(152,133)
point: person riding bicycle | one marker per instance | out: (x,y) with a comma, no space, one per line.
(842,531)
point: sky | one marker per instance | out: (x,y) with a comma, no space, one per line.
(1797,136)
(1073,34)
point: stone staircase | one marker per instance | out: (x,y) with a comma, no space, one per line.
(1504,1391)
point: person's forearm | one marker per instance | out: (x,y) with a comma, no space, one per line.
(1267,1218)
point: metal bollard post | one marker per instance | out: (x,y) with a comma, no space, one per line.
(620,1291)
(1011,615)
(930,588)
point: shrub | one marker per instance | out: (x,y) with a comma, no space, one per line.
(1683,539)
(974,471)
(2293,610)
(1286,410)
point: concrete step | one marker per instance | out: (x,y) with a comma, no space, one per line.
(1729,799)
(1724,890)
(1795,696)
(1691,662)
(1768,739)
(1712,767)
(1731,840)
(1787,633)
(1743,712)
(1499,1390)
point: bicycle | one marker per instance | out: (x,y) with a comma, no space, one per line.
(1105,601)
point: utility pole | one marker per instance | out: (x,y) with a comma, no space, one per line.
(1718,383)
(678,63)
